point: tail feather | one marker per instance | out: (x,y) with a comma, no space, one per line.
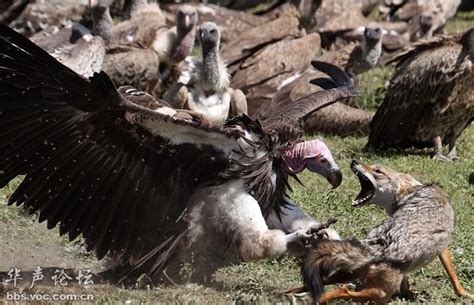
(330,256)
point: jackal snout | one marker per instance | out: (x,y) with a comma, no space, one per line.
(380,184)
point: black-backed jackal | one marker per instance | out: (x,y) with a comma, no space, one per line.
(418,230)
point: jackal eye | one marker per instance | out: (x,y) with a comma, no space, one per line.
(377,171)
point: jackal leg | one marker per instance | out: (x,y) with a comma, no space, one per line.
(405,291)
(365,295)
(336,278)
(448,265)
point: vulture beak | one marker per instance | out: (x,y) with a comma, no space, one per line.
(202,34)
(335,177)
(326,168)
(187,21)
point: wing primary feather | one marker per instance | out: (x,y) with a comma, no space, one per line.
(324,83)
(337,74)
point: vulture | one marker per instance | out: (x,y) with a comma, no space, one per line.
(262,59)
(441,11)
(142,181)
(232,23)
(207,90)
(50,15)
(430,97)
(145,19)
(152,63)
(173,45)
(75,46)
(338,119)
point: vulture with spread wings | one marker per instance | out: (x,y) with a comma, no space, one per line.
(141,181)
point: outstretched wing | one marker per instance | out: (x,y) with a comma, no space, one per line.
(286,122)
(87,165)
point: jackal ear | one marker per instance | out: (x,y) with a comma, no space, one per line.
(406,181)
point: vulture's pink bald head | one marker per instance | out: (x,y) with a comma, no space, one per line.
(316,157)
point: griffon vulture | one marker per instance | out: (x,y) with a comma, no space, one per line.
(430,97)
(76,47)
(206,89)
(140,180)
(51,16)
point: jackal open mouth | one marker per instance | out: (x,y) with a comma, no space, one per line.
(367,188)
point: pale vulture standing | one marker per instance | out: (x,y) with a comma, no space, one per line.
(205,87)
(430,97)
(142,183)
(148,62)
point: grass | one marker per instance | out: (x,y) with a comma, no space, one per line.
(263,281)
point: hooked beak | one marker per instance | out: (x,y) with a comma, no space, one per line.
(202,34)
(328,170)
(187,21)
(335,178)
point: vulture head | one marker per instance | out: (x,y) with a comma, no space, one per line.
(307,10)
(372,33)
(426,22)
(209,35)
(186,18)
(316,157)
(102,20)
(78,31)
(99,5)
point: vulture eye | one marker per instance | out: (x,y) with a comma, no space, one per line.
(213,31)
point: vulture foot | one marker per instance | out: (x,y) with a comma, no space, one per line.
(452,155)
(441,158)
(300,235)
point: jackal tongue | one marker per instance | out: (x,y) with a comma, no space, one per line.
(367,190)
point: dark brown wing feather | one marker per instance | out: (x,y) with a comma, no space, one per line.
(420,87)
(248,42)
(133,65)
(85,166)
(286,122)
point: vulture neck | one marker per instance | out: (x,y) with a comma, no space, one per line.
(102,23)
(371,50)
(136,4)
(184,43)
(426,31)
(295,158)
(211,66)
